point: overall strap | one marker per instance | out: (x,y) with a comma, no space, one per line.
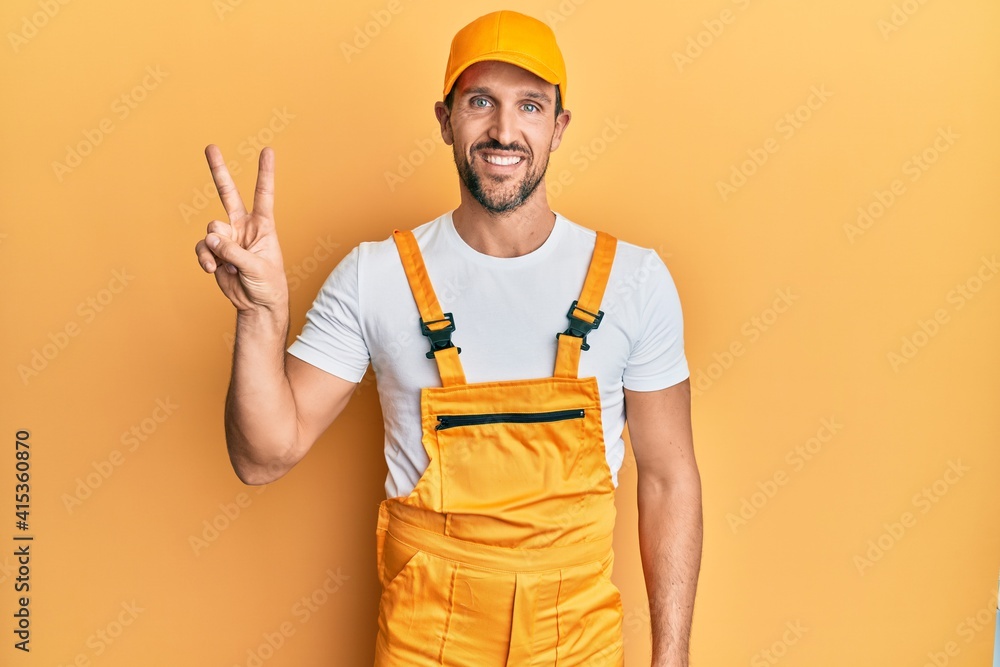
(434,324)
(585,313)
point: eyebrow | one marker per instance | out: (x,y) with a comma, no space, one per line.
(530,94)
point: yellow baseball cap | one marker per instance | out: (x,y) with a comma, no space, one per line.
(509,37)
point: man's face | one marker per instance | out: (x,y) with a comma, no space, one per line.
(502,127)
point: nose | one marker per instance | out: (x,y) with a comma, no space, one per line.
(503,128)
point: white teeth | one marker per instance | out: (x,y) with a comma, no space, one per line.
(503,161)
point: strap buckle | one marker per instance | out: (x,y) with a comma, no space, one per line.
(580,328)
(441,338)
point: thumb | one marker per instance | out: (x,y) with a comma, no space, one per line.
(232,252)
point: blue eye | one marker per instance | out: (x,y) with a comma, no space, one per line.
(477,100)
(533,107)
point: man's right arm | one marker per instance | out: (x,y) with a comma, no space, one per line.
(277,406)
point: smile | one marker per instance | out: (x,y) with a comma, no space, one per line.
(501,160)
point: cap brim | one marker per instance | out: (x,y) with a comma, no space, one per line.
(529,64)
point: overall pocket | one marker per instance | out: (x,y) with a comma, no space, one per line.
(506,463)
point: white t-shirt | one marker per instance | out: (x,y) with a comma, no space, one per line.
(507,313)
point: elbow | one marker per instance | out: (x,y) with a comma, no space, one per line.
(258,474)
(684,481)
(256,463)
(250,477)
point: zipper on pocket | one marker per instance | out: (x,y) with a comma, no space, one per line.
(449,421)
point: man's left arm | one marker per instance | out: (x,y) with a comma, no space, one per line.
(670,514)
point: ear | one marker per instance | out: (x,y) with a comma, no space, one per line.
(562,121)
(444,119)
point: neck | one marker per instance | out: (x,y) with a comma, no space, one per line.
(510,234)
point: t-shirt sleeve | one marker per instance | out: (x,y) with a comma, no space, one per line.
(332,338)
(657,359)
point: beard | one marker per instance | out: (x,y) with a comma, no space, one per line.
(505,195)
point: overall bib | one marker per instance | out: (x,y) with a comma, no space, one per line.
(501,556)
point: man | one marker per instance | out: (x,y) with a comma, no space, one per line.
(503,441)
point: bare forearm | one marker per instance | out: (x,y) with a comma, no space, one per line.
(670,543)
(261,424)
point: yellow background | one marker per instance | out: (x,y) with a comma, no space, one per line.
(693,91)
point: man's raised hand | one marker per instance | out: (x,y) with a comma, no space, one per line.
(244,253)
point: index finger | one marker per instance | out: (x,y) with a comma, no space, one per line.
(228,193)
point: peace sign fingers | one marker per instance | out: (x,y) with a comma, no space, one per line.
(247,246)
(228,193)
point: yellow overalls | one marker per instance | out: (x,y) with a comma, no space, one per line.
(501,556)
